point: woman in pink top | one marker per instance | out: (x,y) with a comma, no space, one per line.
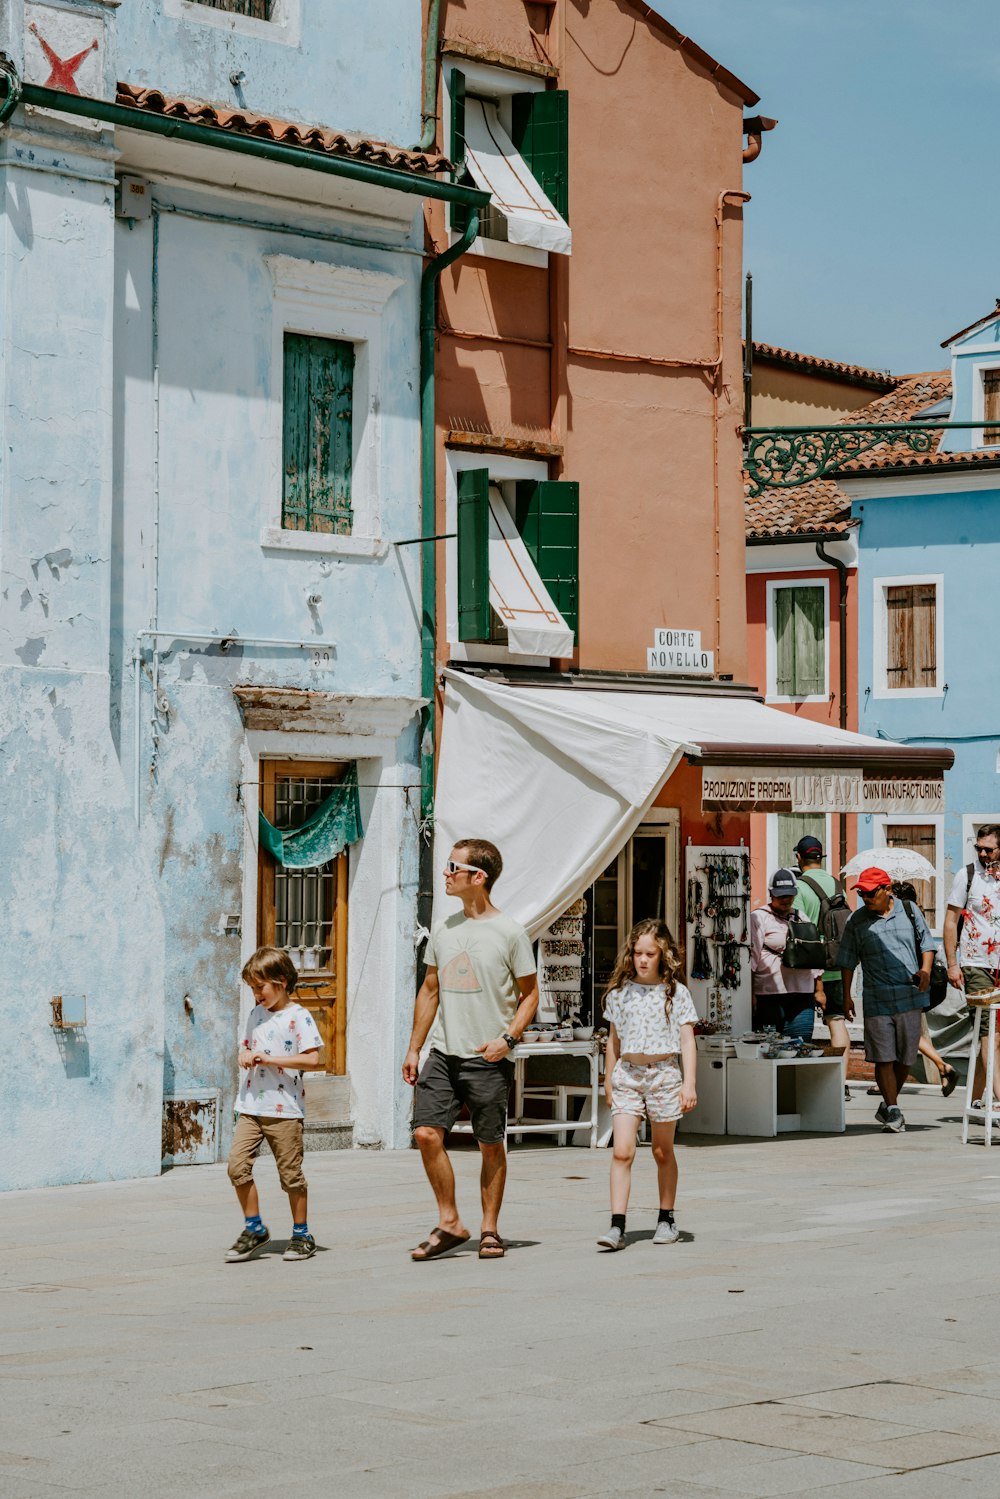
(783,997)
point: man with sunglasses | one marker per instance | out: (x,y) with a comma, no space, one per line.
(974,959)
(479,992)
(896,955)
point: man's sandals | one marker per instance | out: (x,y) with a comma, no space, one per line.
(491,1246)
(442,1243)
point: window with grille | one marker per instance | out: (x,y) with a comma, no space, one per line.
(318,434)
(911,635)
(991,407)
(258,10)
(799,628)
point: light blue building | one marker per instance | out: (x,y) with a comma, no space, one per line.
(928,537)
(209,429)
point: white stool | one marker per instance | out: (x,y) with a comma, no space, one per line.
(991,1107)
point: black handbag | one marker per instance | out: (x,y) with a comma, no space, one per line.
(938,986)
(805,947)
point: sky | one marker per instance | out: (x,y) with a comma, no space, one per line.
(874,230)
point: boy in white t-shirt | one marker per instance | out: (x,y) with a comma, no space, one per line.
(280,1042)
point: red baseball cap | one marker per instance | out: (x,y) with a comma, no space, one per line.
(871,879)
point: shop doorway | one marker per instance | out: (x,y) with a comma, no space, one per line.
(305,910)
(643,880)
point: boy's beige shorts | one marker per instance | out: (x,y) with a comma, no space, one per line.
(285,1139)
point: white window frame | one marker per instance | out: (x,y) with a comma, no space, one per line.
(882,820)
(284,27)
(773,586)
(978,435)
(499,84)
(331,301)
(771,842)
(880,635)
(501,469)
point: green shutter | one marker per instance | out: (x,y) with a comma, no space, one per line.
(318,436)
(474,554)
(799,642)
(810,654)
(456,87)
(547,514)
(540,131)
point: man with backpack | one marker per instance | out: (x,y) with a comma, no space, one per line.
(893,944)
(820,897)
(972,940)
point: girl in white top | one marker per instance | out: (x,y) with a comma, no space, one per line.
(651,1019)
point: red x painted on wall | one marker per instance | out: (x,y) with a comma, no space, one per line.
(64,69)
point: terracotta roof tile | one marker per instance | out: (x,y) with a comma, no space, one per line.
(311,137)
(854,374)
(820,506)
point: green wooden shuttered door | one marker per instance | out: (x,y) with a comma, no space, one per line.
(547,514)
(540,131)
(473,554)
(318,436)
(800,642)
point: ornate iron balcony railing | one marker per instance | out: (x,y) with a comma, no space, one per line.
(782,457)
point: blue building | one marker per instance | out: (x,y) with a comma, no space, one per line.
(209,282)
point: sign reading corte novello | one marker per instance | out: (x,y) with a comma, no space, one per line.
(753,789)
(680,651)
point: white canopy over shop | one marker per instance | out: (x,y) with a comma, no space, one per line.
(560,777)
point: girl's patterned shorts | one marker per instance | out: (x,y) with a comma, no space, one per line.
(652,1089)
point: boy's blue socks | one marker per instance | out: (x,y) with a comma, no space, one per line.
(255,1224)
(300,1230)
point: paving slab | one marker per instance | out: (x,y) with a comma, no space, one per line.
(793,1343)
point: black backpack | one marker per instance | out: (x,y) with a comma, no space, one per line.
(834,914)
(970,874)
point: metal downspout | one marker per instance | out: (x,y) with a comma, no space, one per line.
(428,493)
(832,561)
(428,115)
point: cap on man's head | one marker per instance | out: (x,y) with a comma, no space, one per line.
(872,879)
(783,882)
(808,845)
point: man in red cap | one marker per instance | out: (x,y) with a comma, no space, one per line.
(895,949)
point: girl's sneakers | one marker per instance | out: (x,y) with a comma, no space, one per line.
(613,1239)
(666,1233)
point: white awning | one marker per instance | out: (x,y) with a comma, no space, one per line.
(499,170)
(560,778)
(522,602)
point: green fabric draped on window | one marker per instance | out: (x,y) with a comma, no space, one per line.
(334,825)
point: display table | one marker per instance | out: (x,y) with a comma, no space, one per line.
(778,1095)
(559,1094)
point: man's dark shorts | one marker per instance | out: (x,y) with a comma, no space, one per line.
(834,991)
(446,1083)
(893,1038)
(979,981)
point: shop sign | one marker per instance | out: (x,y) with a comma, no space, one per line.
(749,789)
(680,651)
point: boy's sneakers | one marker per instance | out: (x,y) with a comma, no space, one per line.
(246,1245)
(894,1123)
(300,1247)
(613,1239)
(666,1233)
(882,1113)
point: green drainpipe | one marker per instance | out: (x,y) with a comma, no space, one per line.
(131,118)
(428,115)
(428,490)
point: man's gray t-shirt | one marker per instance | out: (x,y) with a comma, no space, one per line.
(479,961)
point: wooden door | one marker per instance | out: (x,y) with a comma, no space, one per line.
(305,910)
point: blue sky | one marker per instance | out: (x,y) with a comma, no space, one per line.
(874,231)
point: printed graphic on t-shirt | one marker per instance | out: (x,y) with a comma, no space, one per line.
(459,975)
(274,1091)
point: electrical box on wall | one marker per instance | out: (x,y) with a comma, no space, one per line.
(134,199)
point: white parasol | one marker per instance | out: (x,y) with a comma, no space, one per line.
(898,863)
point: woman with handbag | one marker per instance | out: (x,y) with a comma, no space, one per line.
(784,995)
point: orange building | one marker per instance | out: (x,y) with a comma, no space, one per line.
(590,661)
